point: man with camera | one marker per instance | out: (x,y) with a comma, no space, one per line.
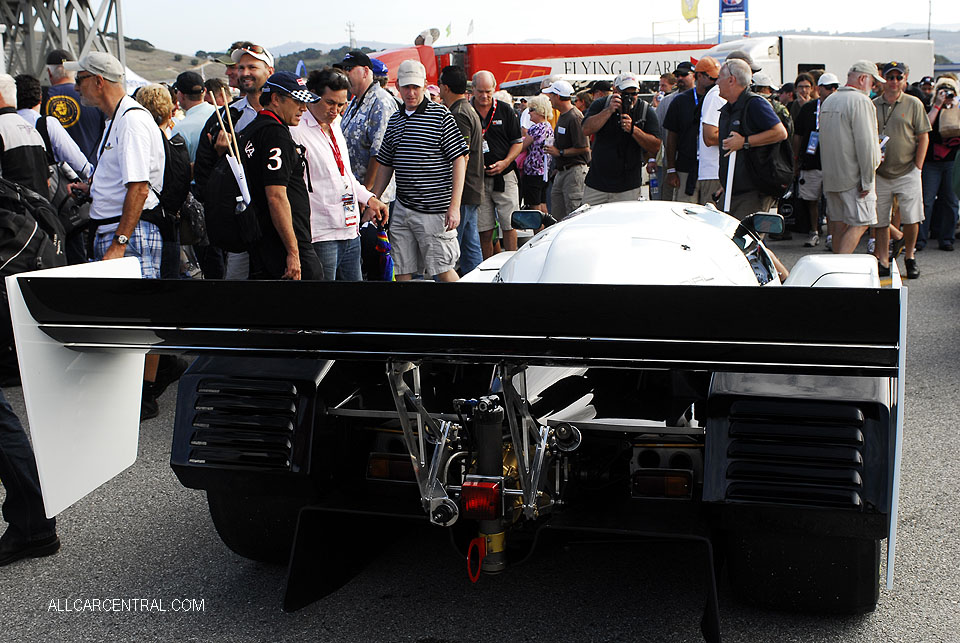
(627,134)
(939,199)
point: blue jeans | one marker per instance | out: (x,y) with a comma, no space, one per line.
(469,238)
(939,222)
(340,259)
(23,507)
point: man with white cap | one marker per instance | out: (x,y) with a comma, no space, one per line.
(424,148)
(571,149)
(502,144)
(850,154)
(806,154)
(627,134)
(275,170)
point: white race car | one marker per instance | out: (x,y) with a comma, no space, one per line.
(634,369)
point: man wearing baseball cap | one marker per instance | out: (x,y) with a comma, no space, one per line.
(903,119)
(682,123)
(806,152)
(850,154)
(571,149)
(426,150)
(275,170)
(190,94)
(684,75)
(62,100)
(627,134)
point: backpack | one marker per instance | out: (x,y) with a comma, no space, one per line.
(31,238)
(228,227)
(176,174)
(771,166)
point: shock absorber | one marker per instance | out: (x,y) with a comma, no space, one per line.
(489,437)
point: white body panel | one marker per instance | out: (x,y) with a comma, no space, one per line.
(84,407)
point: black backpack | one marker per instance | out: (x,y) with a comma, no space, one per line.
(31,238)
(73,215)
(771,166)
(176,174)
(228,228)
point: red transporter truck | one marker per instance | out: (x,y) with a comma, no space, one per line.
(516,64)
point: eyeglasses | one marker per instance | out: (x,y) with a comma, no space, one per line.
(82,77)
(894,76)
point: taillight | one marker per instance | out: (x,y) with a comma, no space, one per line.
(481,499)
(662,483)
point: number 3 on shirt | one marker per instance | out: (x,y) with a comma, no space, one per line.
(274,162)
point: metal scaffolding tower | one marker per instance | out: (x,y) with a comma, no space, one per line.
(34,27)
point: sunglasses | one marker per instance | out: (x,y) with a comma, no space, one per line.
(894,76)
(256,49)
(83,77)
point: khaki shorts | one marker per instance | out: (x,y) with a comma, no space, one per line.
(419,243)
(596,197)
(811,185)
(498,206)
(848,207)
(909,191)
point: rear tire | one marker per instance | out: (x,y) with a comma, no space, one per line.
(801,572)
(260,528)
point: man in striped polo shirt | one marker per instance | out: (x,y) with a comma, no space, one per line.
(425,149)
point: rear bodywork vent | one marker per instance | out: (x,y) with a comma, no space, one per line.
(241,414)
(805,453)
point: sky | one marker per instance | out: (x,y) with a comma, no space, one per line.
(186,26)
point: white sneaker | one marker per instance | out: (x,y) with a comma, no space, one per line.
(829,244)
(813,240)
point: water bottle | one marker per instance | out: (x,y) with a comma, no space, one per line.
(654,187)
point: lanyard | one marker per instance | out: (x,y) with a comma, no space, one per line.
(818,114)
(113,119)
(271,114)
(336,151)
(493,112)
(359,100)
(696,99)
(888,114)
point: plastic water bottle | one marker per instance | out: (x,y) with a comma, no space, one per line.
(654,187)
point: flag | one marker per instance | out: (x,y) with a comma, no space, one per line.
(470,28)
(301,67)
(689,9)
(386,259)
(449,28)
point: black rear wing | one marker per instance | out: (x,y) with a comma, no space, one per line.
(838,331)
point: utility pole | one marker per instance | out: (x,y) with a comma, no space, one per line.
(929,16)
(352,34)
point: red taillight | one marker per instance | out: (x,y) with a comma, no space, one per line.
(662,483)
(481,499)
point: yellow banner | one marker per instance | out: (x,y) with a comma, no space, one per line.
(689,9)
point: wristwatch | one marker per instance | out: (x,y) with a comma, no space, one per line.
(746,142)
(121,239)
(561,152)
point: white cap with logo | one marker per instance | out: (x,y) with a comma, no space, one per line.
(411,72)
(561,88)
(626,80)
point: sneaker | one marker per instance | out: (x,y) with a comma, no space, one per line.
(896,248)
(829,243)
(912,271)
(813,240)
(946,245)
(883,271)
(871,246)
(12,550)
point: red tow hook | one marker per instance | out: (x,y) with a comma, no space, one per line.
(480,544)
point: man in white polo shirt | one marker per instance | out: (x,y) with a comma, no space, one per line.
(129,172)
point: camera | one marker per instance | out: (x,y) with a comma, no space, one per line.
(949,94)
(626,102)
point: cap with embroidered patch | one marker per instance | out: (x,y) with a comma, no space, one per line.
(896,66)
(411,72)
(286,82)
(379,69)
(356,58)
(626,80)
(561,88)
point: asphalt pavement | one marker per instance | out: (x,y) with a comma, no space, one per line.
(143,536)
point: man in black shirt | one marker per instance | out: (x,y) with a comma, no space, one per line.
(806,154)
(502,143)
(627,134)
(274,166)
(682,122)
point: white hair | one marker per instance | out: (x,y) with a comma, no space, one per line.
(8,90)
(541,105)
(503,95)
(549,80)
(739,70)
(57,72)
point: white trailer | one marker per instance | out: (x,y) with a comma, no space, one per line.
(783,57)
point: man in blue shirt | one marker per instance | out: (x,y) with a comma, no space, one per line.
(83,123)
(190,92)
